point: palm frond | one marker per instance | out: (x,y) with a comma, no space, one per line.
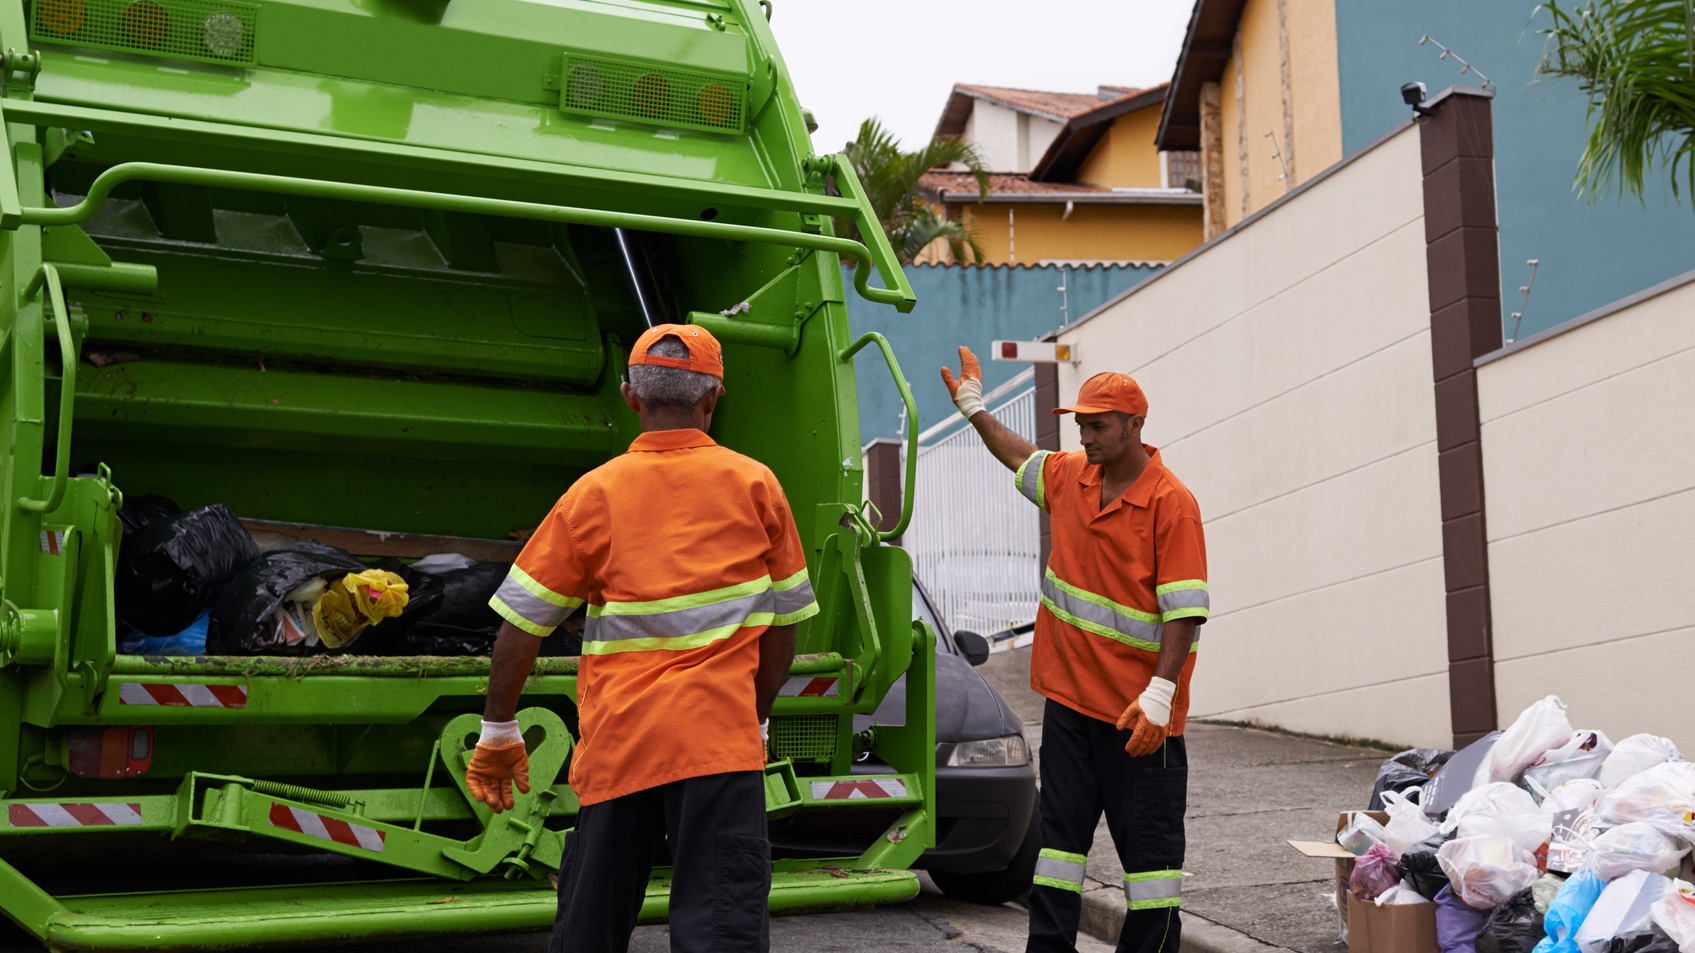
(891,177)
(1636,61)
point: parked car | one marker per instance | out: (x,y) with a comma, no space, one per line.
(988,825)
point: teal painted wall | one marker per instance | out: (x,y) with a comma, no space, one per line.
(1591,254)
(971,306)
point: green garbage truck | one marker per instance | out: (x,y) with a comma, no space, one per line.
(366,272)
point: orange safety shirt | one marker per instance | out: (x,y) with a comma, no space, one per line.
(685,553)
(1118,573)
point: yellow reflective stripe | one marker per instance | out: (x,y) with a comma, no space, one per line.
(1180,584)
(1056,883)
(795,580)
(1197,612)
(1117,607)
(1063,855)
(799,615)
(1150,890)
(540,591)
(1098,629)
(692,601)
(674,643)
(510,615)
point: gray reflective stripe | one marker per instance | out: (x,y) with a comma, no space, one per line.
(678,622)
(795,599)
(1059,870)
(1101,615)
(534,609)
(1161,890)
(1029,477)
(1184,599)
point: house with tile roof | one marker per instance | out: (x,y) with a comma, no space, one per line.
(1075,178)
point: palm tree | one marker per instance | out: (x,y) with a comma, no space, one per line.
(1636,60)
(890,179)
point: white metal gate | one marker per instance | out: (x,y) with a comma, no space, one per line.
(975,542)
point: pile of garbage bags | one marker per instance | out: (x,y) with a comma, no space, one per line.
(1550,840)
(194,582)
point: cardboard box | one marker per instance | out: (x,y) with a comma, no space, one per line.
(1367,927)
(1397,928)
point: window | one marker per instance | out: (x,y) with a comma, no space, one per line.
(1183,170)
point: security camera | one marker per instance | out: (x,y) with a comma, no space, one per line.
(1413,95)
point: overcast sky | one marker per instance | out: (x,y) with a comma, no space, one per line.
(897,59)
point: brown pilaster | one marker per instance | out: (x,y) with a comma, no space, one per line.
(1047,438)
(884,480)
(1463,261)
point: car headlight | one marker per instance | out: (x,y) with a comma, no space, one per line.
(1008,752)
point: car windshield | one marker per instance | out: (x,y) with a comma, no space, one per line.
(921,612)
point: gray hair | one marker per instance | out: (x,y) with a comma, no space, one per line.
(670,387)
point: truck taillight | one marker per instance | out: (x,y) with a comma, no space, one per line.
(223,34)
(715,104)
(653,95)
(121,751)
(61,17)
(146,24)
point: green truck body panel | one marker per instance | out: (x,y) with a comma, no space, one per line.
(367,271)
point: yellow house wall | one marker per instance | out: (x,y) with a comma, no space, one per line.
(1317,87)
(1093,232)
(1125,157)
(1315,102)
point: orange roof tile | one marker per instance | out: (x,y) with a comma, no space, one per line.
(1057,105)
(935,182)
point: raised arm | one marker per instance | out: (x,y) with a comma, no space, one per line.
(1009,448)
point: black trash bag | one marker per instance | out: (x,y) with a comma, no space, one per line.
(241,619)
(1419,867)
(1650,940)
(1512,927)
(139,511)
(466,594)
(394,636)
(1409,769)
(170,571)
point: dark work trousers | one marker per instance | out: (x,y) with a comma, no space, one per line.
(1084,772)
(721,867)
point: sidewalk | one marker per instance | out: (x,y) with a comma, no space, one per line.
(1244,889)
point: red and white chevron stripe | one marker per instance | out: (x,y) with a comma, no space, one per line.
(182,695)
(803,687)
(326,828)
(73,815)
(853,790)
(53,542)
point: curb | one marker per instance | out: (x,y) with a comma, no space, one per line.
(1103,917)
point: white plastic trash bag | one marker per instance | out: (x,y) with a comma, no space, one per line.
(1634,755)
(1580,757)
(1674,914)
(1633,846)
(1487,871)
(1400,894)
(1496,798)
(1622,907)
(1407,822)
(1528,831)
(1361,832)
(1573,796)
(1662,796)
(1538,729)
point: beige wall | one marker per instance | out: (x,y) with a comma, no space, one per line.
(1125,157)
(1009,141)
(1251,168)
(1589,474)
(1272,361)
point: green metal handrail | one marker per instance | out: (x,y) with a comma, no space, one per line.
(872,337)
(49,276)
(881,252)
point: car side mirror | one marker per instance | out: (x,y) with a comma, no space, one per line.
(974,647)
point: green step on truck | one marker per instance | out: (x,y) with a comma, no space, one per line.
(367,272)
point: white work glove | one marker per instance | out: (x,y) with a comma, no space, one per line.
(497,733)
(967,390)
(1156,701)
(765,729)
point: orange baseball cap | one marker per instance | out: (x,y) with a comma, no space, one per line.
(706,356)
(1109,391)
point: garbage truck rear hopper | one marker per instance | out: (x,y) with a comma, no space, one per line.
(366,272)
